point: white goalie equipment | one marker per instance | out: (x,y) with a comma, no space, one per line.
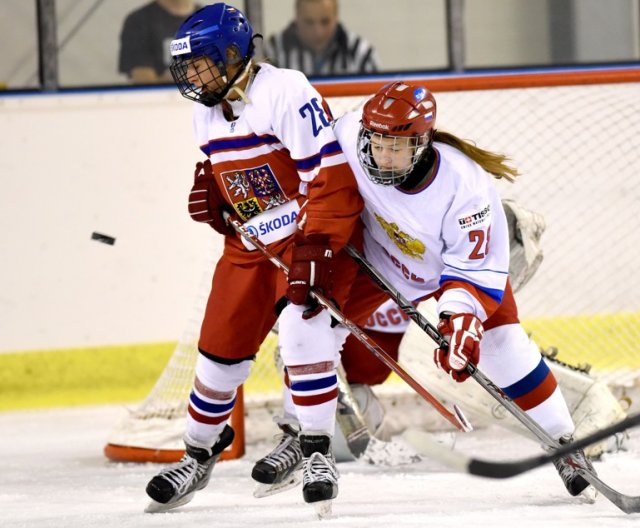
(525,230)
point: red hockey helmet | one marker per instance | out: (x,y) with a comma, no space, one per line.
(399,118)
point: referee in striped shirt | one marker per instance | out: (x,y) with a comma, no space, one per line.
(317,44)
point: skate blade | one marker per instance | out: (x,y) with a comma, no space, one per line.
(266,490)
(158,507)
(323,508)
(589,494)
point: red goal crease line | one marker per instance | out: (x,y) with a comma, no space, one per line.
(484,82)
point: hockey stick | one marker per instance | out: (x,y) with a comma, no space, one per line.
(628,504)
(456,418)
(502,470)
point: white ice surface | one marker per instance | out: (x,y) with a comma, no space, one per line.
(53,474)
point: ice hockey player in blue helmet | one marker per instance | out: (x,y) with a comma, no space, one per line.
(271,159)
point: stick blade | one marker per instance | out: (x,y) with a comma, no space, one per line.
(426,445)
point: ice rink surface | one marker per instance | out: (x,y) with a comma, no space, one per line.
(53,474)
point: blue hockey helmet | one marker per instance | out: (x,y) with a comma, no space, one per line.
(222,34)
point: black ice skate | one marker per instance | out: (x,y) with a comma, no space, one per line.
(279,470)
(319,473)
(573,481)
(176,485)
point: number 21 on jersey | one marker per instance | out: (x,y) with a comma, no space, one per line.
(480,243)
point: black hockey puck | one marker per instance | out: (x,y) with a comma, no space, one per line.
(105,239)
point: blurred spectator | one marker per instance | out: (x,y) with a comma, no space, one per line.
(317,44)
(145,38)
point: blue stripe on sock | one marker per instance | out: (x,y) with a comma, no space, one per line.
(214,408)
(316,384)
(529,382)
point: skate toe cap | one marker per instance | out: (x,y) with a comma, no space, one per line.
(320,491)
(264,474)
(160,490)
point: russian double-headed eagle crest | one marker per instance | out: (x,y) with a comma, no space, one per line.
(409,246)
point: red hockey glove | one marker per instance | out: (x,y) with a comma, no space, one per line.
(463,332)
(311,267)
(206,203)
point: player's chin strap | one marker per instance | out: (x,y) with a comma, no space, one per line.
(238,104)
(455,418)
(250,69)
(626,503)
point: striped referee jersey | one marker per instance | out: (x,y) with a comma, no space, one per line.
(347,54)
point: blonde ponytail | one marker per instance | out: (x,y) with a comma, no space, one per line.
(491,162)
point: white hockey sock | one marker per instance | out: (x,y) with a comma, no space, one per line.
(212,399)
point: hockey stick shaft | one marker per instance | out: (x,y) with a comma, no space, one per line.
(456,418)
(403,303)
(628,504)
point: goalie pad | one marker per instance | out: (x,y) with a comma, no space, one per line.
(525,254)
(591,403)
(358,407)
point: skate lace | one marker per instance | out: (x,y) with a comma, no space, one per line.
(319,468)
(568,466)
(184,473)
(565,470)
(286,454)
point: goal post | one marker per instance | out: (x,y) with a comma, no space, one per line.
(575,137)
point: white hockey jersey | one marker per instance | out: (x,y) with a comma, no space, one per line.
(449,236)
(279,152)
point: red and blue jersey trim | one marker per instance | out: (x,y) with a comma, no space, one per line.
(494,293)
(237,143)
(310,163)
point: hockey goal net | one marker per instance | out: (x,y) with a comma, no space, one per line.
(575,137)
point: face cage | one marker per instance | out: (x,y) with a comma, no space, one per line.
(200,94)
(391,176)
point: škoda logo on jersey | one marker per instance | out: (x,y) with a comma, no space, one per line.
(252,191)
(273,225)
(474,219)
